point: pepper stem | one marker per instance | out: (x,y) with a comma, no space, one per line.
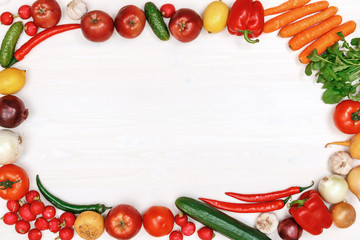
(7,184)
(246,36)
(304,188)
(299,202)
(286,199)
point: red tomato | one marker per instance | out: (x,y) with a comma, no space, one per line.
(185,25)
(46,13)
(97,26)
(14,182)
(123,222)
(347,117)
(158,221)
(130,21)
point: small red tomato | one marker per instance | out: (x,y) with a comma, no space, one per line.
(347,116)
(31,29)
(181,219)
(188,229)
(176,235)
(167,10)
(158,221)
(68,219)
(205,233)
(10,218)
(6,18)
(34,234)
(13,205)
(31,196)
(22,226)
(24,12)
(49,212)
(17,180)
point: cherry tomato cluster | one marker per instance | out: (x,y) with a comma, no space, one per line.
(188,228)
(32,210)
(24,12)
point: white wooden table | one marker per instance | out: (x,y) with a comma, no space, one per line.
(143,121)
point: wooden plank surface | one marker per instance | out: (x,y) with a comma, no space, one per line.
(143,121)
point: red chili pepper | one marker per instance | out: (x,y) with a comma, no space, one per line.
(263,197)
(311,213)
(38,38)
(246,18)
(247,207)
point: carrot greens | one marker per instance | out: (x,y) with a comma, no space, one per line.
(338,69)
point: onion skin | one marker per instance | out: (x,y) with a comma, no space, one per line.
(353,144)
(333,189)
(343,214)
(12,111)
(353,180)
(11,146)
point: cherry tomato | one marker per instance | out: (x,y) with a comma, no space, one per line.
(167,10)
(24,12)
(6,18)
(14,182)
(158,221)
(347,117)
(31,29)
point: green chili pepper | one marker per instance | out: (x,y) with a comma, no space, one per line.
(67,207)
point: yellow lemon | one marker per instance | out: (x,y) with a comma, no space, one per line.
(215,17)
(12,80)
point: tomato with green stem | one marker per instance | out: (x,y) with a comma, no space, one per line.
(347,116)
(14,182)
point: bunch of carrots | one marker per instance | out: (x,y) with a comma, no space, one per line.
(319,30)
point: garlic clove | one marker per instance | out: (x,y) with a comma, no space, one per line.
(76,9)
(341,163)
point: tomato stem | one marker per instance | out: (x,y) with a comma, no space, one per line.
(7,184)
(355,116)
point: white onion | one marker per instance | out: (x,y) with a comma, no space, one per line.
(333,189)
(11,146)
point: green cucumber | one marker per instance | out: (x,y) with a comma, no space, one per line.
(218,221)
(156,21)
(9,43)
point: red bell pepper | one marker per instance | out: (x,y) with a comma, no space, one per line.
(311,213)
(246,18)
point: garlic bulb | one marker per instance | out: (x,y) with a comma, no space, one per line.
(76,9)
(341,163)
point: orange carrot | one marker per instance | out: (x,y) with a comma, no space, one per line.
(294,28)
(310,34)
(288,5)
(327,40)
(292,15)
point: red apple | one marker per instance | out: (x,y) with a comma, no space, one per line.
(97,26)
(123,222)
(130,21)
(185,25)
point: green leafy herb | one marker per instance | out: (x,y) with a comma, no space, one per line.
(338,69)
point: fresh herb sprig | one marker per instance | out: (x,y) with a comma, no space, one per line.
(338,69)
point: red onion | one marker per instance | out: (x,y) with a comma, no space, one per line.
(12,111)
(288,229)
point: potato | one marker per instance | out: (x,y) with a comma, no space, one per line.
(89,225)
